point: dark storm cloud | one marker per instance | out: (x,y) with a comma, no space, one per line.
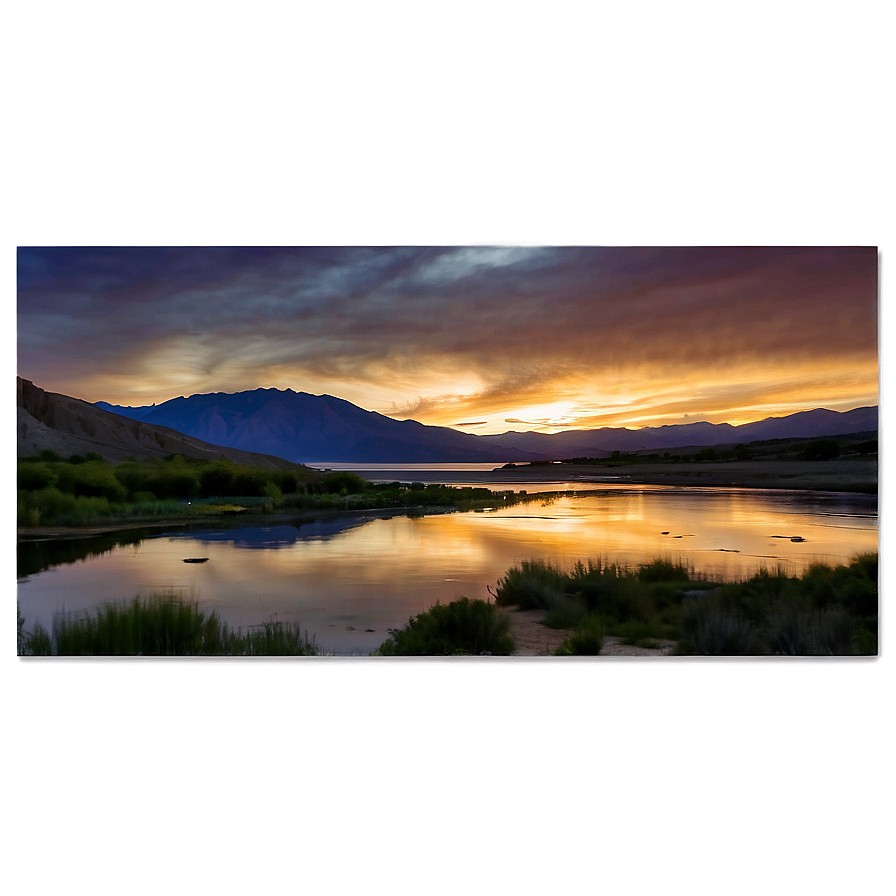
(521,321)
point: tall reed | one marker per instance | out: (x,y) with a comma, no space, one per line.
(160,625)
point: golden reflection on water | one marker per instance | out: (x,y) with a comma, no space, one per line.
(374,574)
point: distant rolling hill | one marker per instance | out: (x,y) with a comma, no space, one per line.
(320,428)
(599,442)
(48,420)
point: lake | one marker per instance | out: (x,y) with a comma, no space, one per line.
(349,579)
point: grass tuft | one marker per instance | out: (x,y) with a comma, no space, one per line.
(160,625)
(462,627)
(534,584)
(566,611)
(586,640)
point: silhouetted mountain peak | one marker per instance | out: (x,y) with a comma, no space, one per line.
(323,428)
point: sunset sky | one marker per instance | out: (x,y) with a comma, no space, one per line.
(480,339)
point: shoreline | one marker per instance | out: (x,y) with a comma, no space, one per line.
(856,477)
(851,474)
(281,516)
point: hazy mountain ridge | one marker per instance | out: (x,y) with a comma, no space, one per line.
(595,442)
(321,428)
(307,428)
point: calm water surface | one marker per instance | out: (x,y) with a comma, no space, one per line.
(350,579)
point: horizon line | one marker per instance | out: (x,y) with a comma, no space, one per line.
(289,390)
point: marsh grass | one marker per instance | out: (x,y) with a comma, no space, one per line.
(828,611)
(160,625)
(586,640)
(714,626)
(278,639)
(534,585)
(566,611)
(822,632)
(462,627)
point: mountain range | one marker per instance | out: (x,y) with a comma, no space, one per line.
(307,428)
(317,428)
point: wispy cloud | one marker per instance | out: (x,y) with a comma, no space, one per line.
(459,333)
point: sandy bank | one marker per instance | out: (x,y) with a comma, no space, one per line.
(532,638)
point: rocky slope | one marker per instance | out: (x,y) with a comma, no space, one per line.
(48,420)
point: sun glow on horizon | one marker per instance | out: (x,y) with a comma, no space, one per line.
(732,399)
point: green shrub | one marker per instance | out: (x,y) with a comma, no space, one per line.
(819,585)
(663,571)
(341,483)
(288,481)
(463,626)
(825,632)
(35,476)
(134,476)
(53,504)
(615,597)
(27,516)
(566,612)
(132,486)
(665,595)
(93,479)
(216,479)
(587,640)
(534,584)
(272,491)
(859,596)
(865,564)
(710,627)
(639,634)
(88,507)
(175,482)
(249,483)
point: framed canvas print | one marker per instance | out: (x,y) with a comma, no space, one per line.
(464,451)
